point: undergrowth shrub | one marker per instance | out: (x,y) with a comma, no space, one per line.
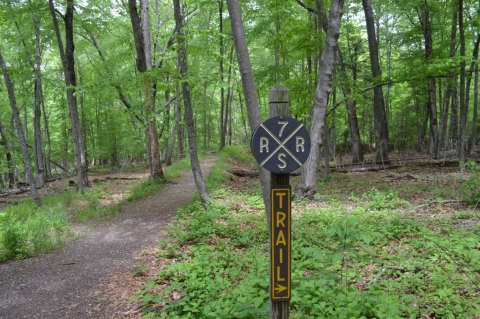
(345,264)
(228,155)
(378,200)
(348,261)
(27,231)
(470,190)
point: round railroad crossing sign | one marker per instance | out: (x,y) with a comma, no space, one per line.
(280,144)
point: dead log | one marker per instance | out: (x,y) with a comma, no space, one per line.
(365,169)
(8,202)
(59,177)
(15,192)
(109,178)
(242,172)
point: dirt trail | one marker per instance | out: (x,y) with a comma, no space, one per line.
(63,285)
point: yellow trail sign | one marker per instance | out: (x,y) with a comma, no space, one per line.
(280,241)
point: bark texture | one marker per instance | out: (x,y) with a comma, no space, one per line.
(380,117)
(68,61)
(463,104)
(20,135)
(38,147)
(192,138)
(8,155)
(307,185)
(449,82)
(471,71)
(248,84)
(425,21)
(221,66)
(141,35)
(357,154)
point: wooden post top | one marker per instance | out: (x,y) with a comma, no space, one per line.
(279,101)
(278,94)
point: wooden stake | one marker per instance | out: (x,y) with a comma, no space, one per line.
(279,103)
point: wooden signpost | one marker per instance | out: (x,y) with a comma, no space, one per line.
(281,145)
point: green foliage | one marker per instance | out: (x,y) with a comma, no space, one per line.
(360,264)
(226,157)
(360,261)
(470,190)
(27,231)
(140,270)
(238,153)
(146,188)
(377,200)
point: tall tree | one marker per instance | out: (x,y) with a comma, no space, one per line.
(426,23)
(8,155)
(473,71)
(192,136)
(35,64)
(67,56)
(357,154)
(307,185)
(38,146)
(463,105)
(221,70)
(20,133)
(380,117)
(141,35)
(449,83)
(248,84)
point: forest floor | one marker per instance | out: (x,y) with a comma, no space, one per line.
(391,243)
(70,284)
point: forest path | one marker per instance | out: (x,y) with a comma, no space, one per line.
(63,285)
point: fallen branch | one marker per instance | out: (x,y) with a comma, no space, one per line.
(366,169)
(109,178)
(448,201)
(243,173)
(8,202)
(60,177)
(15,192)
(384,270)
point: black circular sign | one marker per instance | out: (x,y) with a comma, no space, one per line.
(280,144)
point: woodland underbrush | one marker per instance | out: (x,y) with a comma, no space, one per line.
(26,230)
(370,245)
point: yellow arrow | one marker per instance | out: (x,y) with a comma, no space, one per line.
(280,288)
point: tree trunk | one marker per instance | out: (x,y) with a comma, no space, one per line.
(68,61)
(180,130)
(463,105)
(204,114)
(222,89)
(471,72)
(380,118)
(228,103)
(35,65)
(307,185)
(20,135)
(8,154)
(248,84)
(357,154)
(39,162)
(449,82)
(425,22)
(141,35)
(48,160)
(473,140)
(454,115)
(192,138)
(167,125)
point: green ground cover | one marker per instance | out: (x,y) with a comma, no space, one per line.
(358,252)
(27,231)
